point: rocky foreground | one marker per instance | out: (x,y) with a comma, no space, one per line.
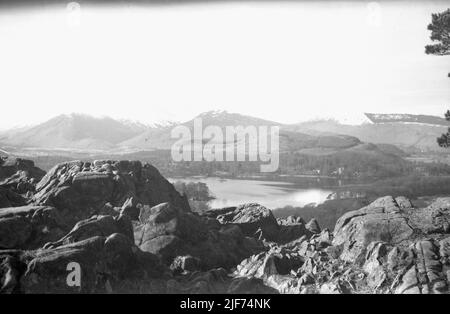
(132,232)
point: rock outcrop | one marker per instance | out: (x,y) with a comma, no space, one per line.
(259,222)
(82,189)
(9,198)
(19,175)
(386,247)
(77,183)
(390,220)
(128,230)
(253,219)
(29,227)
(107,264)
(168,231)
(217,281)
(383,220)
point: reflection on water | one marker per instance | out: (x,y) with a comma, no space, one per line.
(272,194)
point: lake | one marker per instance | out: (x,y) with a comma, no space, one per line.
(272,194)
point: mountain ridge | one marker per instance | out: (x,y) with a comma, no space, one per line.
(406,118)
(402,133)
(85,132)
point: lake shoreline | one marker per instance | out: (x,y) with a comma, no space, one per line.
(272,194)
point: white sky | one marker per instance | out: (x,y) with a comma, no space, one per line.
(286,62)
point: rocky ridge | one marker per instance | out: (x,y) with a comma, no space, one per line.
(130,231)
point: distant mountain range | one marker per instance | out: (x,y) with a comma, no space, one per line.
(76,131)
(411,132)
(84,132)
(406,118)
(160,138)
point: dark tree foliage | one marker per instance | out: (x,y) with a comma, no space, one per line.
(444,139)
(440,33)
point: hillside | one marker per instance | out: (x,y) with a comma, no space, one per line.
(160,138)
(289,141)
(302,151)
(73,131)
(418,136)
(84,132)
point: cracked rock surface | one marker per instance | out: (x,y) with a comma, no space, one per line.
(129,230)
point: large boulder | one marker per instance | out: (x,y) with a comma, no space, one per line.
(391,220)
(259,222)
(13,264)
(292,228)
(217,281)
(9,198)
(313,226)
(96,226)
(83,188)
(335,287)
(11,165)
(107,264)
(183,264)
(29,227)
(426,274)
(374,264)
(19,175)
(169,231)
(276,261)
(255,220)
(432,219)
(131,208)
(382,220)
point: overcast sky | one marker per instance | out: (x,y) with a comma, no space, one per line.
(286,62)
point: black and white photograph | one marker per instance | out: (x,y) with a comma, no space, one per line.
(219,153)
